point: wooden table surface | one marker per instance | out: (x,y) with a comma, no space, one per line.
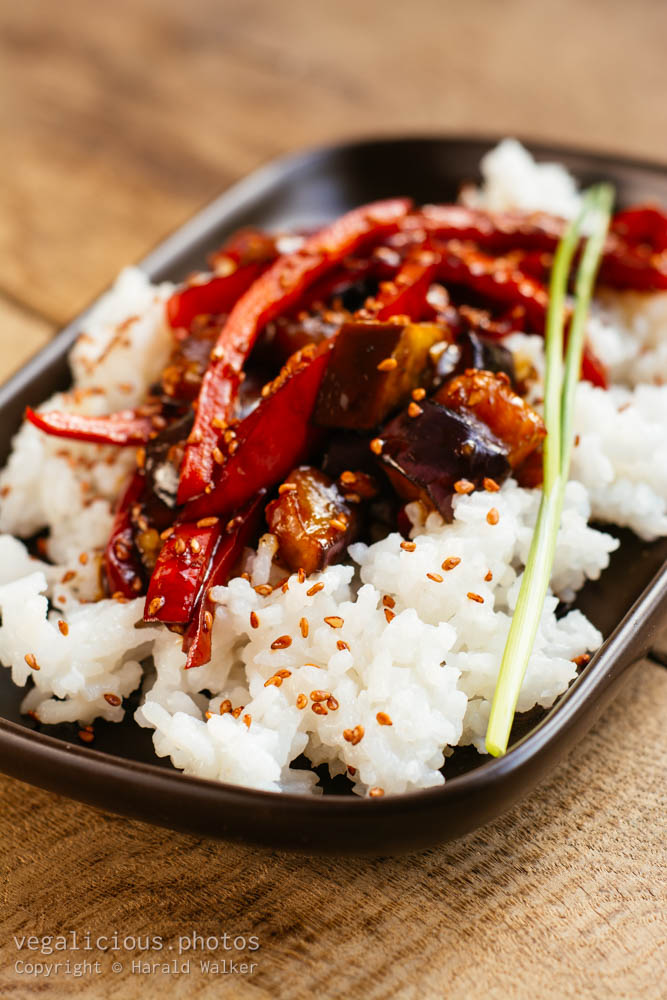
(117,122)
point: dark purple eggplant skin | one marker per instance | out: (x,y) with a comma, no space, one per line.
(474,351)
(436,449)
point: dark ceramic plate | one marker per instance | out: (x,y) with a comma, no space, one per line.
(628,604)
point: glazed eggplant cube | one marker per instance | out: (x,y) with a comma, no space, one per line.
(472,351)
(372,371)
(311,520)
(491,399)
(427,454)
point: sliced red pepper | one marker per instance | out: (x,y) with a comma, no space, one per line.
(592,369)
(406,294)
(642,224)
(121,562)
(209,298)
(495,278)
(245,246)
(273,438)
(275,291)
(179,572)
(129,427)
(197,638)
(497,231)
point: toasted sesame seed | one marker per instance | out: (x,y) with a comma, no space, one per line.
(112,699)
(164,535)
(351,770)
(319,709)
(332,703)
(464,486)
(301,575)
(136,585)
(285,587)
(283,673)
(387,365)
(286,488)
(341,644)
(237,711)
(69,575)
(315,589)
(319,695)
(254,620)
(282,642)
(493,516)
(490,484)
(225,706)
(450,563)
(263,589)
(195,545)
(207,522)
(375,793)
(334,621)
(389,615)
(63,626)
(408,546)
(218,457)
(383,719)
(86,736)
(208,621)
(376,446)
(339,523)
(435,577)
(489,577)
(353,736)
(155,605)
(475,597)
(83,558)
(418,394)
(388,602)
(247,719)
(208,715)
(347,478)
(303,625)
(179,546)
(414,410)
(301,701)
(141,457)
(274,680)
(581,660)
(31,661)
(219,423)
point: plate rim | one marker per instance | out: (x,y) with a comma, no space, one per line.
(587,691)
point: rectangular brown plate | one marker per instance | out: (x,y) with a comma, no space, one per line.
(628,603)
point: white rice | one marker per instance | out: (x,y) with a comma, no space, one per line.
(417,683)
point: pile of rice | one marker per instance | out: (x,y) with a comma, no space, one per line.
(393,658)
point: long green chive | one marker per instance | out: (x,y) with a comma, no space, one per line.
(559,390)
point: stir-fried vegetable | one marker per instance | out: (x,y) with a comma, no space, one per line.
(560,384)
(372,350)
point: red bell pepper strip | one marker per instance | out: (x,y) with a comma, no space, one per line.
(197,638)
(275,291)
(496,231)
(209,298)
(245,246)
(129,427)
(642,224)
(271,440)
(406,294)
(179,572)
(121,562)
(495,278)
(592,369)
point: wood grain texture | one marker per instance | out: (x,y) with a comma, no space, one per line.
(564,897)
(117,121)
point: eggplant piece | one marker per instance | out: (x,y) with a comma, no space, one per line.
(425,455)
(372,371)
(311,520)
(472,351)
(491,399)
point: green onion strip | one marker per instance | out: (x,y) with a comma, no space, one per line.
(559,391)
